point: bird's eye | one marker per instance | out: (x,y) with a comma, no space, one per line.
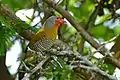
(57,18)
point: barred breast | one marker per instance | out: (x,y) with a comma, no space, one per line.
(41,45)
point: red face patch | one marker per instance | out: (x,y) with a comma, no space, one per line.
(59,20)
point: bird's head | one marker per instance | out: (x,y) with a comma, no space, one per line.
(54,21)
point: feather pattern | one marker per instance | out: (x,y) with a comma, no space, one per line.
(44,38)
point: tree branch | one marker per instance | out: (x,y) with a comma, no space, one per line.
(12,18)
(75,24)
(27,34)
(39,66)
(89,25)
(79,28)
(76,61)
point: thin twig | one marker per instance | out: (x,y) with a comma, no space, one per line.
(82,62)
(89,25)
(96,69)
(39,66)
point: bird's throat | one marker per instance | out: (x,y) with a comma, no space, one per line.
(52,32)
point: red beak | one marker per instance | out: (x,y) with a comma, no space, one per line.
(62,21)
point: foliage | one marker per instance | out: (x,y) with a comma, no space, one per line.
(60,70)
(6,35)
(104,26)
(16,4)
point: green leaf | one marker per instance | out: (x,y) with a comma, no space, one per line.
(82,10)
(17,4)
(108,67)
(6,32)
(101,31)
(116,30)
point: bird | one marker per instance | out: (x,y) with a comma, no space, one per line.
(46,35)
